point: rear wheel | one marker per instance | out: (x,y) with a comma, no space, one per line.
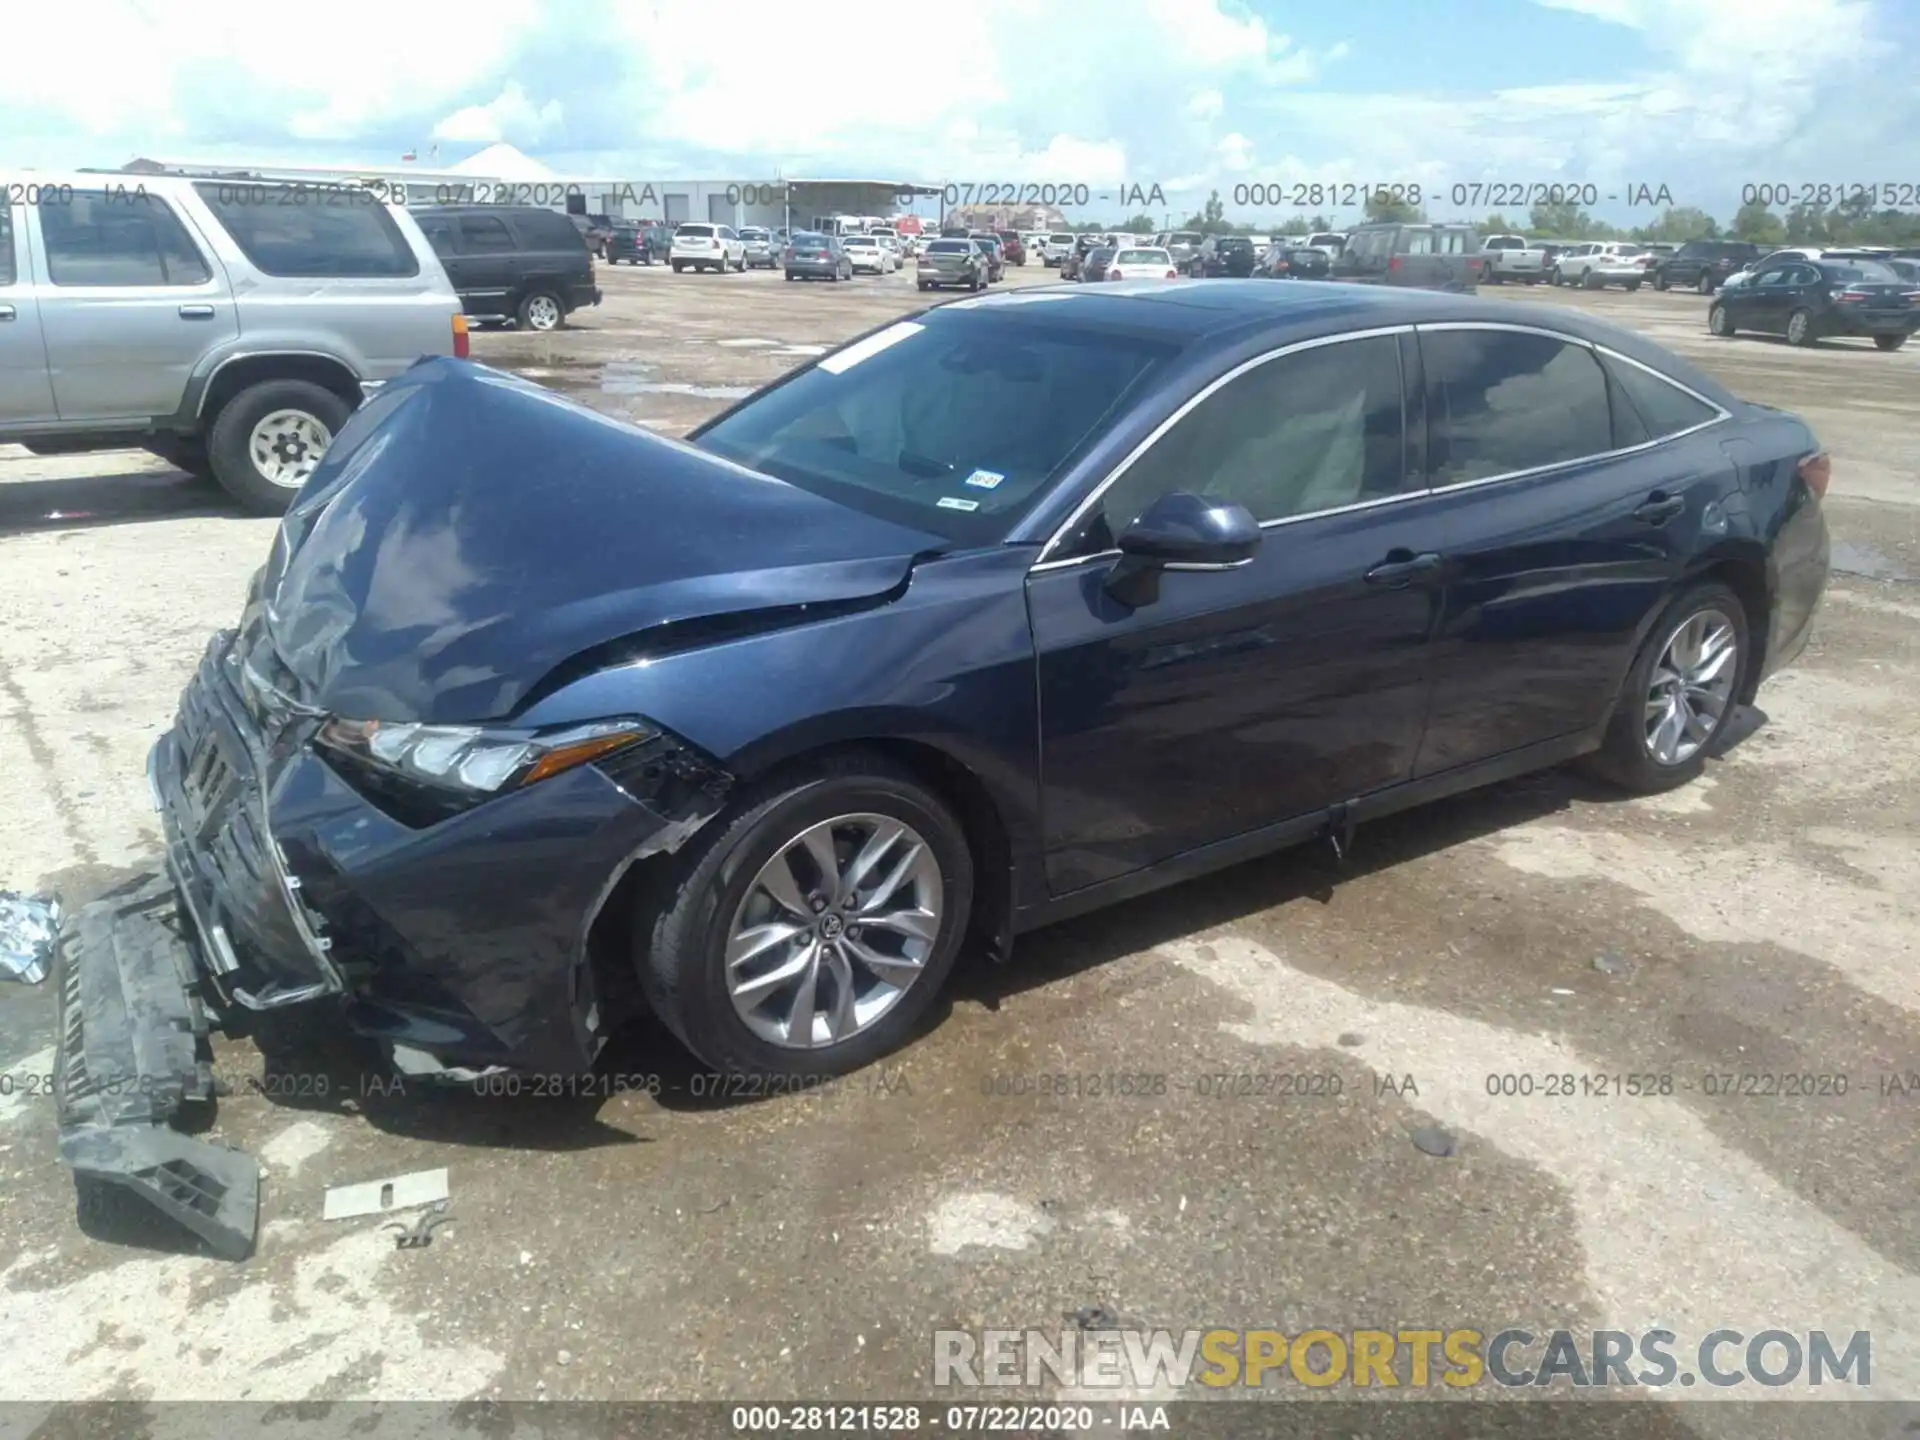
(541,310)
(679,268)
(1632,285)
(267,440)
(1679,693)
(808,930)
(1800,328)
(1556,278)
(1889,342)
(1704,284)
(1660,280)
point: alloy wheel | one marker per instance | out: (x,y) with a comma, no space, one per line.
(1691,687)
(543,312)
(833,931)
(286,445)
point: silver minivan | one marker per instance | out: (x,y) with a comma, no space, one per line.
(229,326)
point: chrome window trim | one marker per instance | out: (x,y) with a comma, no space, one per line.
(1720,414)
(1191,403)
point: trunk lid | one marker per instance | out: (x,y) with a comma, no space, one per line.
(469,531)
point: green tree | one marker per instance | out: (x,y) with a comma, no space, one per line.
(1210,219)
(1807,225)
(1680,222)
(1382,206)
(1562,221)
(1754,221)
(1141,224)
(1496,224)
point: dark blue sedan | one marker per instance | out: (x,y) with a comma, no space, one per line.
(996,615)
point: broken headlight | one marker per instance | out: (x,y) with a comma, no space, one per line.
(421,773)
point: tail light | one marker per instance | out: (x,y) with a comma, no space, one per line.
(1112,274)
(460,346)
(1851,297)
(1394,263)
(1173,274)
(1817,470)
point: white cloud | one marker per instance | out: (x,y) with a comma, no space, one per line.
(508,116)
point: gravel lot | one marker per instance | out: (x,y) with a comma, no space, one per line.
(1763,921)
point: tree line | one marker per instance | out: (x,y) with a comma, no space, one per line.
(1853,221)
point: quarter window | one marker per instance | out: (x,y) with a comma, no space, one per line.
(1501,401)
(1311,431)
(6,243)
(1665,408)
(97,239)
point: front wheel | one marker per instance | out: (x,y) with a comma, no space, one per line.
(269,438)
(1660,281)
(1556,279)
(1632,286)
(1889,342)
(1679,693)
(541,310)
(1800,328)
(806,931)
(1719,322)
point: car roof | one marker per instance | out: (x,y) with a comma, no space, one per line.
(1189,311)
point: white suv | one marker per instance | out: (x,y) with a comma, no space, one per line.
(865,252)
(1595,264)
(707,247)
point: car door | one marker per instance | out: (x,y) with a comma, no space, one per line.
(1762,302)
(1246,696)
(26,389)
(1566,519)
(732,250)
(130,301)
(489,257)
(444,236)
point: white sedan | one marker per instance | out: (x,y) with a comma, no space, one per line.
(867,253)
(1143,263)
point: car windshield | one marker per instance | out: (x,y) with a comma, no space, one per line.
(1236,242)
(706,230)
(1143,257)
(951,423)
(808,238)
(860,242)
(948,247)
(1060,239)
(751,233)
(1186,237)
(1870,272)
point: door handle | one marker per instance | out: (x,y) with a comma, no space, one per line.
(196,312)
(6,312)
(1659,507)
(1397,573)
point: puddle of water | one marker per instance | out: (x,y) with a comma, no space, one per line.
(1850,559)
(742,344)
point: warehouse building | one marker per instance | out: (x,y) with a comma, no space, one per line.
(503,174)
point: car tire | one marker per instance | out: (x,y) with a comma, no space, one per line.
(1889,342)
(1704,285)
(1632,286)
(682,931)
(184,452)
(230,443)
(924,287)
(789,275)
(1800,328)
(1659,281)
(1555,278)
(678,268)
(541,311)
(1720,321)
(1592,281)
(1626,756)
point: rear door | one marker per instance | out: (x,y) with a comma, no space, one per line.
(26,390)
(1249,695)
(1567,513)
(488,262)
(130,300)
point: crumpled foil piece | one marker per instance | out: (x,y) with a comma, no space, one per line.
(29,926)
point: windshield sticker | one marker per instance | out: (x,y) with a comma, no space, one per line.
(950,502)
(846,359)
(985,479)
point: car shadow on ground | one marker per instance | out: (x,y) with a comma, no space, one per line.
(90,501)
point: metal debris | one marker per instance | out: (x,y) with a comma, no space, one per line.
(29,926)
(1094,1317)
(1432,1140)
(1352,1038)
(419,1235)
(380,1197)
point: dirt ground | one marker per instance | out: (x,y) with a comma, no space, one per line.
(1762,922)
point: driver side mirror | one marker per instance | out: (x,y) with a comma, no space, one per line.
(1180,531)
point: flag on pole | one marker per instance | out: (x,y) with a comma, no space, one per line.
(410,155)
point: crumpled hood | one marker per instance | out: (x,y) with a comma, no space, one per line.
(469,531)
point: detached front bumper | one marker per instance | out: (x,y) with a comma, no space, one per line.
(457,946)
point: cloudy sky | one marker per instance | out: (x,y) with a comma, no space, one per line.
(1702,96)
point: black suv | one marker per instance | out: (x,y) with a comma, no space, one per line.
(1230,256)
(512,262)
(1703,264)
(638,244)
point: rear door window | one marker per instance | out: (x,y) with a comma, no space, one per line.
(486,235)
(102,239)
(298,233)
(440,234)
(1503,401)
(549,230)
